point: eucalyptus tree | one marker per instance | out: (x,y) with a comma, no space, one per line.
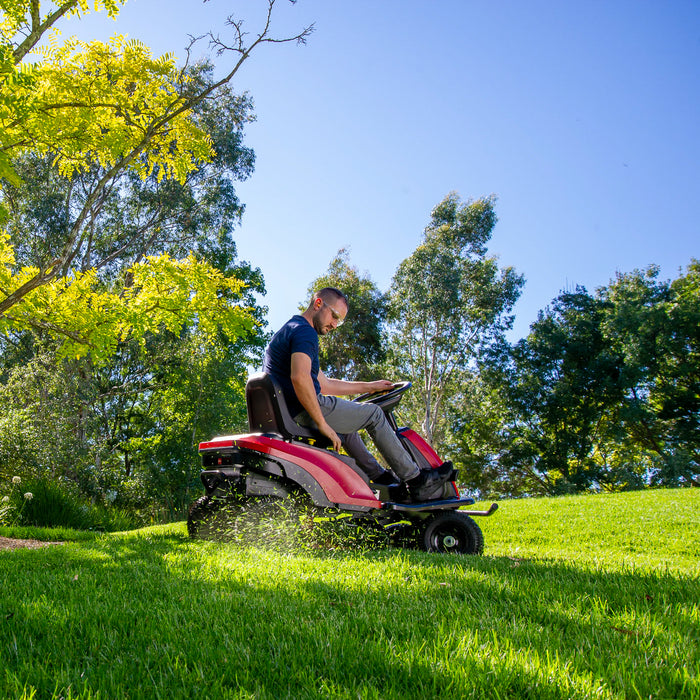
(449,300)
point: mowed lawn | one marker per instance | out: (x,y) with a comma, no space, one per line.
(576,597)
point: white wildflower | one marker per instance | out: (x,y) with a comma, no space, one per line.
(16,480)
(5,499)
(29,495)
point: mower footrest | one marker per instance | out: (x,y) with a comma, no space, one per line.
(431,505)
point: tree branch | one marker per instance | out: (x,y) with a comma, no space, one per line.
(38,28)
(181,104)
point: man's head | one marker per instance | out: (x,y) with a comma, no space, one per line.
(327,310)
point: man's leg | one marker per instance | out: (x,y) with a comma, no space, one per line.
(356,448)
(346,417)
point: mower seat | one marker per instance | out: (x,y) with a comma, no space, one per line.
(268,412)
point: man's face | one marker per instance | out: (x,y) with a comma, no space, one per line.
(327,317)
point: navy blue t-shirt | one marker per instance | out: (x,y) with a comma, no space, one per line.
(297,335)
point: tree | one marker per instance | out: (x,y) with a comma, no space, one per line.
(603,393)
(128,323)
(102,110)
(354,350)
(125,428)
(125,432)
(448,302)
(655,327)
(139,216)
(141,223)
(559,384)
(477,437)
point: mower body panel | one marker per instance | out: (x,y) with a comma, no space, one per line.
(311,467)
(420,449)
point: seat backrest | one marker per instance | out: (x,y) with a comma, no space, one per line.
(268,412)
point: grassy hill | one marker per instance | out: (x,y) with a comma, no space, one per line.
(577,597)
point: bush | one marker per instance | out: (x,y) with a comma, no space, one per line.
(44,502)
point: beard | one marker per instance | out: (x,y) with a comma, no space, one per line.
(321,329)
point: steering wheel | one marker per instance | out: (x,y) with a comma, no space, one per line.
(382,397)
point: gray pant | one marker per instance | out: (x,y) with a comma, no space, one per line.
(347,417)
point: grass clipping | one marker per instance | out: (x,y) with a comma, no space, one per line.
(288,524)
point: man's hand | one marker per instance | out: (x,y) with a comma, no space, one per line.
(342,387)
(379,385)
(328,432)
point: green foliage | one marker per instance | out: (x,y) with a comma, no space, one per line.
(448,302)
(563,379)
(354,350)
(102,112)
(604,393)
(110,104)
(655,328)
(476,439)
(138,217)
(126,338)
(46,502)
(89,102)
(158,293)
(12,500)
(127,432)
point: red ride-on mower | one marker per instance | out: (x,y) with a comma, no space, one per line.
(280,465)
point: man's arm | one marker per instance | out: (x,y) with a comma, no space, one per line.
(341,387)
(306,393)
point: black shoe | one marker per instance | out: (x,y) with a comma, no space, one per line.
(399,493)
(428,485)
(386,478)
(446,469)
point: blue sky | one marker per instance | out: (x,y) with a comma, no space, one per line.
(582,118)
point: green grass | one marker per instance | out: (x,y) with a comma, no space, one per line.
(47,534)
(577,597)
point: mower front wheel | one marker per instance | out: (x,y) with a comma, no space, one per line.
(452,533)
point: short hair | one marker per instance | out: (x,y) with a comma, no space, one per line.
(331,294)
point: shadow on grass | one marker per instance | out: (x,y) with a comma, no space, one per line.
(158,615)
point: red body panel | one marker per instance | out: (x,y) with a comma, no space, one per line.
(339,482)
(433,458)
(422,446)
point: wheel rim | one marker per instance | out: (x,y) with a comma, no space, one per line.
(450,537)
(449,541)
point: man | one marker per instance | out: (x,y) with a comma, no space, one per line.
(292,358)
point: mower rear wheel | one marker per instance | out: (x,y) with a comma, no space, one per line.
(211,518)
(265,521)
(452,533)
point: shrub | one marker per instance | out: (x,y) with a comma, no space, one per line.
(13,502)
(55,503)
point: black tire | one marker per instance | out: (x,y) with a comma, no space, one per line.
(452,533)
(211,519)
